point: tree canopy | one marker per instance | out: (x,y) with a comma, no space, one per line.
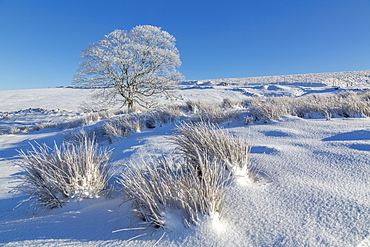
(131,66)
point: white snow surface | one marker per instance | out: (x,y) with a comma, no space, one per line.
(315,191)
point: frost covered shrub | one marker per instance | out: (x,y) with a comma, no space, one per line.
(99,115)
(210,112)
(198,142)
(53,176)
(17,130)
(215,116)
(161,116)
(76,136)
(192,106)
(123,126)
(67,124)
(160,186)
(136,122)
(352,104)
(310,105)
(230,104)
(365,96)
(78,121)
(86,120)
(269,109)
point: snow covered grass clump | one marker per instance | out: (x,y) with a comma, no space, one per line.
(268,109)
(159,187)
(191,184)
(211,112)
(197,142)
(122,126)
(53,176)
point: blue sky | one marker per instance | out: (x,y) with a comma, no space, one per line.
(41,40)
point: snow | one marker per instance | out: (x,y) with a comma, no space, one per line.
(68,99)
(313,187)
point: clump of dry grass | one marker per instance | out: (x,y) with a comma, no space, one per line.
(199,141)
(158,186)
(211,112)
(122,126)
(268,109)
(194,183)
(52,176)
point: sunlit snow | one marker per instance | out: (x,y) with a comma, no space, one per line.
(310,184)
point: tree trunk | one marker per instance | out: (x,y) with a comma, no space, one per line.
(130,105)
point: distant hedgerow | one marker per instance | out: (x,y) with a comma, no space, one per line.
(345,104)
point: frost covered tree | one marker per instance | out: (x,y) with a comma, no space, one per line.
(131,66)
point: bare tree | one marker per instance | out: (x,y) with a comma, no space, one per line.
(131,66)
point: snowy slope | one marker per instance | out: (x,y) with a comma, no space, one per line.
(315,191)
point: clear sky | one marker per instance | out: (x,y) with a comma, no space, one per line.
(41,40)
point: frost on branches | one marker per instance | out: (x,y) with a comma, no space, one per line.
(131,66)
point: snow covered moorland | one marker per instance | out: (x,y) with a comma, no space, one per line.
(268,161)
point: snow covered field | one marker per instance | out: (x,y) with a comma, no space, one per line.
(315,189)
